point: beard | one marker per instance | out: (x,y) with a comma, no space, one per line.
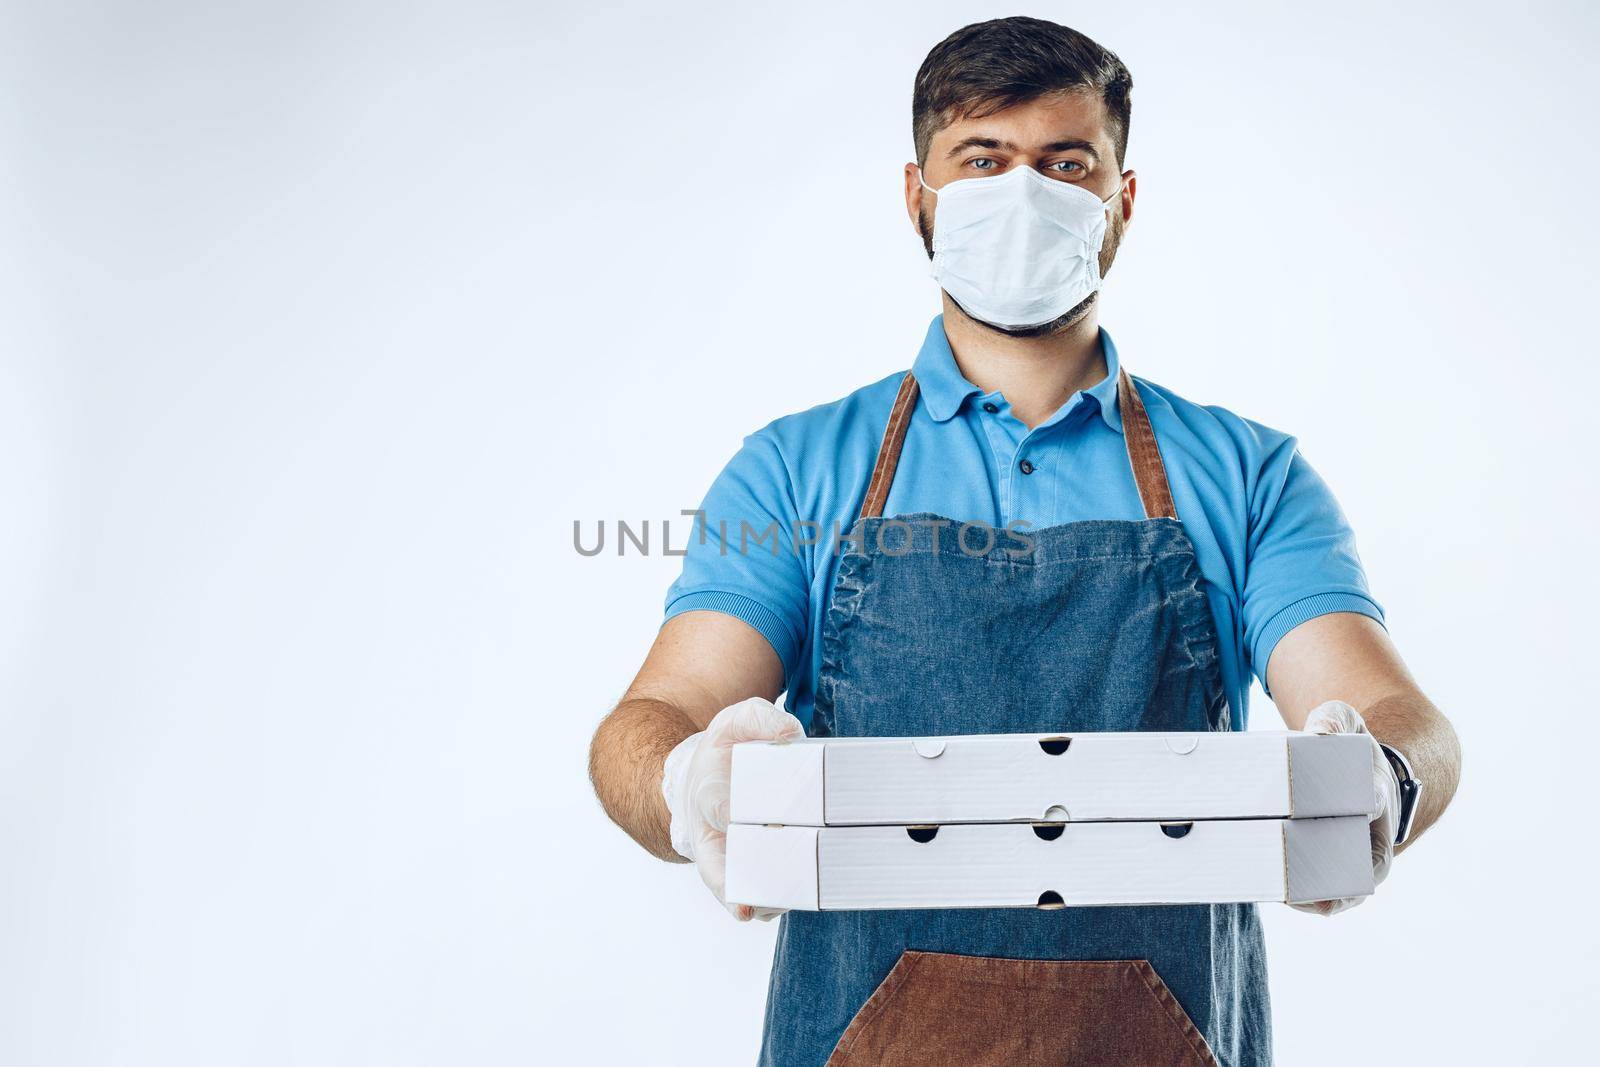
(1075,315)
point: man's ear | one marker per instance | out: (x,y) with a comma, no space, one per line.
(914,191)
(1130,190)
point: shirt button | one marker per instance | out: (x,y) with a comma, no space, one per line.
(991,407)
(1025,467)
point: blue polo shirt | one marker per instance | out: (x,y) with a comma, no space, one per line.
(1273,546)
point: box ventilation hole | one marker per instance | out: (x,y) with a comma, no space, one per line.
(921,834)
(1050,900)
(1048,831)
(1054,746)
(1176,830)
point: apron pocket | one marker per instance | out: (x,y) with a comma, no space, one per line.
(938,1008)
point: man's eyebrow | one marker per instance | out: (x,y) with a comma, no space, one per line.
(1073,146)
(990,142)
(978,142)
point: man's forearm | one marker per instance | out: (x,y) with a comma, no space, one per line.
(625,763)
(1411,724)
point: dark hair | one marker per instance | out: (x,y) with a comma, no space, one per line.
(990,66)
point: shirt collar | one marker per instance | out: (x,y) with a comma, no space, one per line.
(945,389)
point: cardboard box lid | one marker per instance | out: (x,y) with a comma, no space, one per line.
(1052,777)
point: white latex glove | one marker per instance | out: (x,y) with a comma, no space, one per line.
(1337,717)
(695,783)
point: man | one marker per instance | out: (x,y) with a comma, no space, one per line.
(1151,555)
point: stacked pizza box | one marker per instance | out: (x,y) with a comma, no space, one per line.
(1026,820)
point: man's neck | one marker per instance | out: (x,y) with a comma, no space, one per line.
(1036,374)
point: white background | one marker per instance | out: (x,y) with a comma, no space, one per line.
(321,322)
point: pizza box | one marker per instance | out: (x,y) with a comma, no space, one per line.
(995,865)
(865,781)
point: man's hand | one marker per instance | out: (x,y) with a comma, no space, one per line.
(1351,656)
(1337,717)
(702,662)
(695,782)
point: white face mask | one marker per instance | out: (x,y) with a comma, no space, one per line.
(1018,249)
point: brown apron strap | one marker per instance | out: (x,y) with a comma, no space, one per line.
(1148,471)
(894,437)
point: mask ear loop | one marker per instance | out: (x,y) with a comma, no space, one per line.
(936,234)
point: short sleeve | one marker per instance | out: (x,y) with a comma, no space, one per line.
(741,558)
(1301,560)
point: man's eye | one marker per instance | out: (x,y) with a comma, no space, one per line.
(1066,166)
(984,164)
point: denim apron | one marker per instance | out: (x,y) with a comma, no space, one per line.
(1104,625)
